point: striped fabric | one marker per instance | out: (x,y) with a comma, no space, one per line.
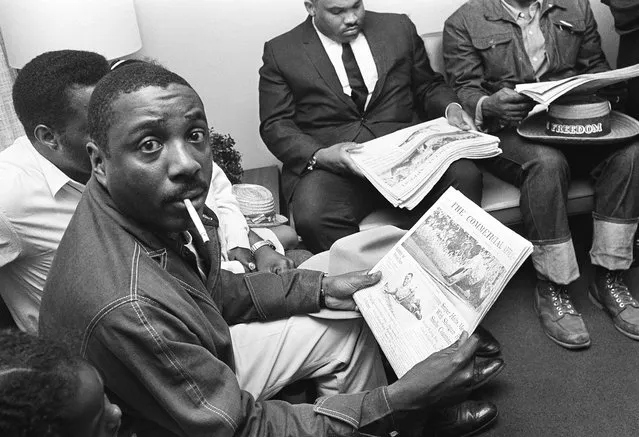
(10,127)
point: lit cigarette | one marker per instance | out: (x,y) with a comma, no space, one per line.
(196,220)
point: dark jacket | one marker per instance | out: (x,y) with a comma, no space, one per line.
(133,303)
(303,107)
(484,49)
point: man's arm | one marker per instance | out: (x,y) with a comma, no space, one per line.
(222,201)
(429,88)
(279,132)
(176,382)
(465,71)
(591,58)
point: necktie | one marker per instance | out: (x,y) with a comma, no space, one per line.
(359,92)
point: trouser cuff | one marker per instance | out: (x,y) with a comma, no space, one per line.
(612,244)
(556,262)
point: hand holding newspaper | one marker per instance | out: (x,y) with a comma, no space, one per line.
(549,91)
(440,280)
(406,164)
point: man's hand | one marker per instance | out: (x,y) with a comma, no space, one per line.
(270,260)
(338,290)
(457,117)
(244,256)
(440,378)
(337,159)
(507,105)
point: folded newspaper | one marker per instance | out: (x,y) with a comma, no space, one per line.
(439,280)
(547,92)
(406,164)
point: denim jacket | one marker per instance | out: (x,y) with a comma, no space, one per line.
(133,303)
(484,50)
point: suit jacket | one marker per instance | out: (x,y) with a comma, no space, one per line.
(303,107)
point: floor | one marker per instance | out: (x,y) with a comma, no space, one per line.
(546,390)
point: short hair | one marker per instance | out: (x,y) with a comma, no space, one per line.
(123,80)
(38,380)
(40,92)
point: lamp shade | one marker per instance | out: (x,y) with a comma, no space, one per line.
(32,27)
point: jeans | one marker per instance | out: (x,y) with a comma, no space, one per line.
(328,206)
(543,175)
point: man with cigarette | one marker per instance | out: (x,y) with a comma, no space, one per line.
(138,289)
(489,47)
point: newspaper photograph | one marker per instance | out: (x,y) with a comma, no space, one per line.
(405,165)
(440,279)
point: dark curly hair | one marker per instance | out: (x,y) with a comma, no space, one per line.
(123,79)
(37,381)
(40,92)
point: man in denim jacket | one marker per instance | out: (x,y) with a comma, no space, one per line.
(140,293)
(489,47)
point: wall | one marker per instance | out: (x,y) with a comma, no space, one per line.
(217,46)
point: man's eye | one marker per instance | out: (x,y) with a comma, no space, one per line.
(196,136)
(150,146)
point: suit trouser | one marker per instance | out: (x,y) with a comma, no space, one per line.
(341,356)
(328,206)
(543,174)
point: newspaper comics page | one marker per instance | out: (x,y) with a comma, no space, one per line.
(439,280)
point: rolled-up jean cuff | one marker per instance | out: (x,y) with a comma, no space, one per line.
(612,242)
(556,262)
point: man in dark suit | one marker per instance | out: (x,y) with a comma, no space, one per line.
(336,80)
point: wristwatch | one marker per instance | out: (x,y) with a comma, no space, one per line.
(260,244)
(310,166)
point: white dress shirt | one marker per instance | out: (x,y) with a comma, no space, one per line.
(363,56)
(37,201)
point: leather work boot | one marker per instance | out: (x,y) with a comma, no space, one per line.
(465,419)
(559,319)
(609,292)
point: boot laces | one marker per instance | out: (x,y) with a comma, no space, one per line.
(561,300)
(619,290)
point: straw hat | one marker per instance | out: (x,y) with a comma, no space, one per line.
(257,205)
(579,120)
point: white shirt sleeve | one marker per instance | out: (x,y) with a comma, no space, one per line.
(10,244)
(233,227)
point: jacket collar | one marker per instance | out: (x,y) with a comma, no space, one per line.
(54,177)
(494,11)
(318,57)
(153,241)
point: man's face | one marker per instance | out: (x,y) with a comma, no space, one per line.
(340,20)
(159,151)
(73,138)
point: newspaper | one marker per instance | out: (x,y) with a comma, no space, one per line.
(547,92)
(439,280)
(406,164)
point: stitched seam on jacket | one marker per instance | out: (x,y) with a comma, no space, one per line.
(169,355)
(342,416)
(255,299)
(111,305)
(176,364)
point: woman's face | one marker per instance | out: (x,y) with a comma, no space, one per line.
(90,413)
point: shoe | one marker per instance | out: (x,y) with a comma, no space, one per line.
(488,345)
(559,319)
(610,293)
(465,419)
(484,371)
